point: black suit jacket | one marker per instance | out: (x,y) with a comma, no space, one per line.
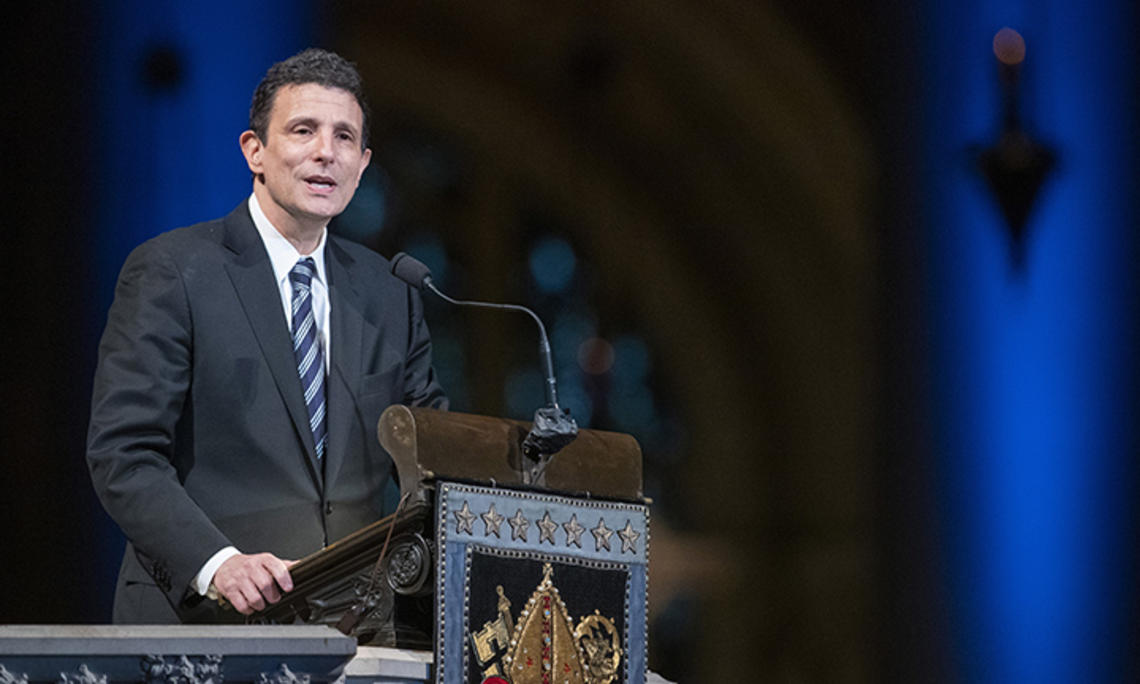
(199,437)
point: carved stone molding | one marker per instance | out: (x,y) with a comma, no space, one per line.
(205,669)
(7,677)
(83,675)
(283,675)
(172,654)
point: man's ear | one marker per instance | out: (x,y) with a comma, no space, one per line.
(252,148)
(364,159)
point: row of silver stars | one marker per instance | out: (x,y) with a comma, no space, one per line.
(493,520)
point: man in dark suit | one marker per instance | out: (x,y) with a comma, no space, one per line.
(245,363)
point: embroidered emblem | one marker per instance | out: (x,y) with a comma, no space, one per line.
(483,582)
(629,538)
(544,646)
(463,520)
(518,526)
(493,640)
(546,529)
(573,531)
(602,535)
(601,648)
(492,520)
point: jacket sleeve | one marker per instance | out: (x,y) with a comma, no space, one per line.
(141,386)
(421,387)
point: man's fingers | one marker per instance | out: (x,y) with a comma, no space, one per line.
(253,597)
(280,571)
(237,601)
(250,582)
(241,594)
(265,585)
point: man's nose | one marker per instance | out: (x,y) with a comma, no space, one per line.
(324,146)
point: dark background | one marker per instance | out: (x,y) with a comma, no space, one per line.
(879,446)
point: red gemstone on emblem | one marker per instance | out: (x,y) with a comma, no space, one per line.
(495,680)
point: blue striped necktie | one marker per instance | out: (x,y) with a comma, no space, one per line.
(307,349)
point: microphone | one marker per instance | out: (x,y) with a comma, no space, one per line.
(411,270)
(553,427)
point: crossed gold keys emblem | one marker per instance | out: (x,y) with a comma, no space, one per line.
(544,646)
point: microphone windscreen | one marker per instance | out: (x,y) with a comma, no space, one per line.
(410,270)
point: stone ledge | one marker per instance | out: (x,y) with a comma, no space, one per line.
(206,654)
(100,654)
(377,664)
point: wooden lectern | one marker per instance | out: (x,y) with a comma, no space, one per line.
(506,567)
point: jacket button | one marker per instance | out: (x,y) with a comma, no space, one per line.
(328,508)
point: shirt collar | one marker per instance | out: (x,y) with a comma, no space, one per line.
(282,254)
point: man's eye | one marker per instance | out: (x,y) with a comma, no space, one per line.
(303,131)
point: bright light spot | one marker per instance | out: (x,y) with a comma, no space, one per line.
(552,264)
(596,356)
(1009,46)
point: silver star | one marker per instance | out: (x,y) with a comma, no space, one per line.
(573,531)
(518,526)
(602,535)
(628,538)
(546,529)
(463,519)
(492,520)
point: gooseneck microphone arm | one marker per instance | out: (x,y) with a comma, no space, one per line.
(543,340)
(415,273)
(553,427)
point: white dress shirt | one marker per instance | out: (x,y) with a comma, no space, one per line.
(283,256)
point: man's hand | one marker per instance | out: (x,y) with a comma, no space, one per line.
(250,582)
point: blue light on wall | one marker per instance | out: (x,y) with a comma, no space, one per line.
(174,84)
(1031,368)
(175,80)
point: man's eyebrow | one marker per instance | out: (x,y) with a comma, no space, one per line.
(302,120)
(315,123)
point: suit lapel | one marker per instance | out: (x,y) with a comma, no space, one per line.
(252,276)
(347,325)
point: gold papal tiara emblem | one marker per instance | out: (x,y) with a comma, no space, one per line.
(543,646)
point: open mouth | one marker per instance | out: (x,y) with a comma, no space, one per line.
(321,183)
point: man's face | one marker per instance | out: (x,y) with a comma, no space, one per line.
(310,163)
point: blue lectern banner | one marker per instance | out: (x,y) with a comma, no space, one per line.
(539,588)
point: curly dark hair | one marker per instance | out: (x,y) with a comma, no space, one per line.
(313,65)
